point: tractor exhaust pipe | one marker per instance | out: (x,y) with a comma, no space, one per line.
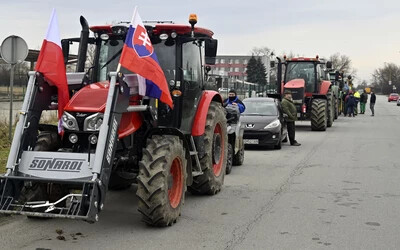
(83,45)
(279,76)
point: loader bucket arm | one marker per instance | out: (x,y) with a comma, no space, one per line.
(87,172)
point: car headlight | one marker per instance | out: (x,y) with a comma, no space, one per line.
(69,122)
(273,124)
(93,122)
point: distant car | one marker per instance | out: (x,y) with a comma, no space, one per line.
(263,122)
(398,102)
(393,97)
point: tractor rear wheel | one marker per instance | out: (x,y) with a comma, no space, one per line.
(162,180)
(214,161)
(336,102)
(238,159)
(229,159)
(318,115)
(331,110)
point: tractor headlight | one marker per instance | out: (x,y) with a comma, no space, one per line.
(69,122)
(273,124)
(93,122)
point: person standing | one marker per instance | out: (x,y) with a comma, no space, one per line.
(290,110)
(363,101)
(357,97)
(372,101)
(234,100)
(350,103)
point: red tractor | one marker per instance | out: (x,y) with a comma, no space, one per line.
(311,90)
(114,137)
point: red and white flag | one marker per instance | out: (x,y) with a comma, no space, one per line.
(51,64)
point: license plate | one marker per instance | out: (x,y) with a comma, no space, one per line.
(250,141)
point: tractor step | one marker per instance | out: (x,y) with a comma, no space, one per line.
(194,154)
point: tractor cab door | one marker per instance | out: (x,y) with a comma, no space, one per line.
(192,81)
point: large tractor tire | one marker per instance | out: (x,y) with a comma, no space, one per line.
(238,159)
(214,161)
(331,109)
(229,159)
(336,103)
(319,115)
(162,180)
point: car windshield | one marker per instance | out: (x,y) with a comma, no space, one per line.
(110,52)
(394,94)
(260,108)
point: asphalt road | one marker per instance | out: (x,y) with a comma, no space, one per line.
(339,190)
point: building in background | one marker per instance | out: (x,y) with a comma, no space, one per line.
(232,69)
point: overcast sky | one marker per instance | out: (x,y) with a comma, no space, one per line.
(367,32)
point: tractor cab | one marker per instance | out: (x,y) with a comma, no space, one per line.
(183,52)
(304,73)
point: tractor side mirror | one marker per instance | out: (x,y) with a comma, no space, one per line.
(329,64)
(211,51)
(65,49)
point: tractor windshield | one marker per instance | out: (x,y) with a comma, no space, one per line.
(302,70)
(110,52)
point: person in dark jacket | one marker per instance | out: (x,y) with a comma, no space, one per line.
(350,103)
(363,101)
(234,100)
(290,111)
(372,103)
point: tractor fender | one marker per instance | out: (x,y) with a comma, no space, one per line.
(199,122)
(325,85)
(176,132)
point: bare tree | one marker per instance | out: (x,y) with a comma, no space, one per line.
(262,51)
(341,63)
(386,77)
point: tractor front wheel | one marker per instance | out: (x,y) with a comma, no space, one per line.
(214,161)
(162,180)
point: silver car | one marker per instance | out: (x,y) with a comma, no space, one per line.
(264,122)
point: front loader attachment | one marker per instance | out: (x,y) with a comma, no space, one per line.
(71,205)
(43,181)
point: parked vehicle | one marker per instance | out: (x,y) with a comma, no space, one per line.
(311,89)
(114,137)
(398,102)
(393,97)
(264,123)
(235,138)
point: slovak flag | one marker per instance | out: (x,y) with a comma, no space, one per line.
(139,57)
(51,64)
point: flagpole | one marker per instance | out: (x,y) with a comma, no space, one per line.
(118,67)
(134,14)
